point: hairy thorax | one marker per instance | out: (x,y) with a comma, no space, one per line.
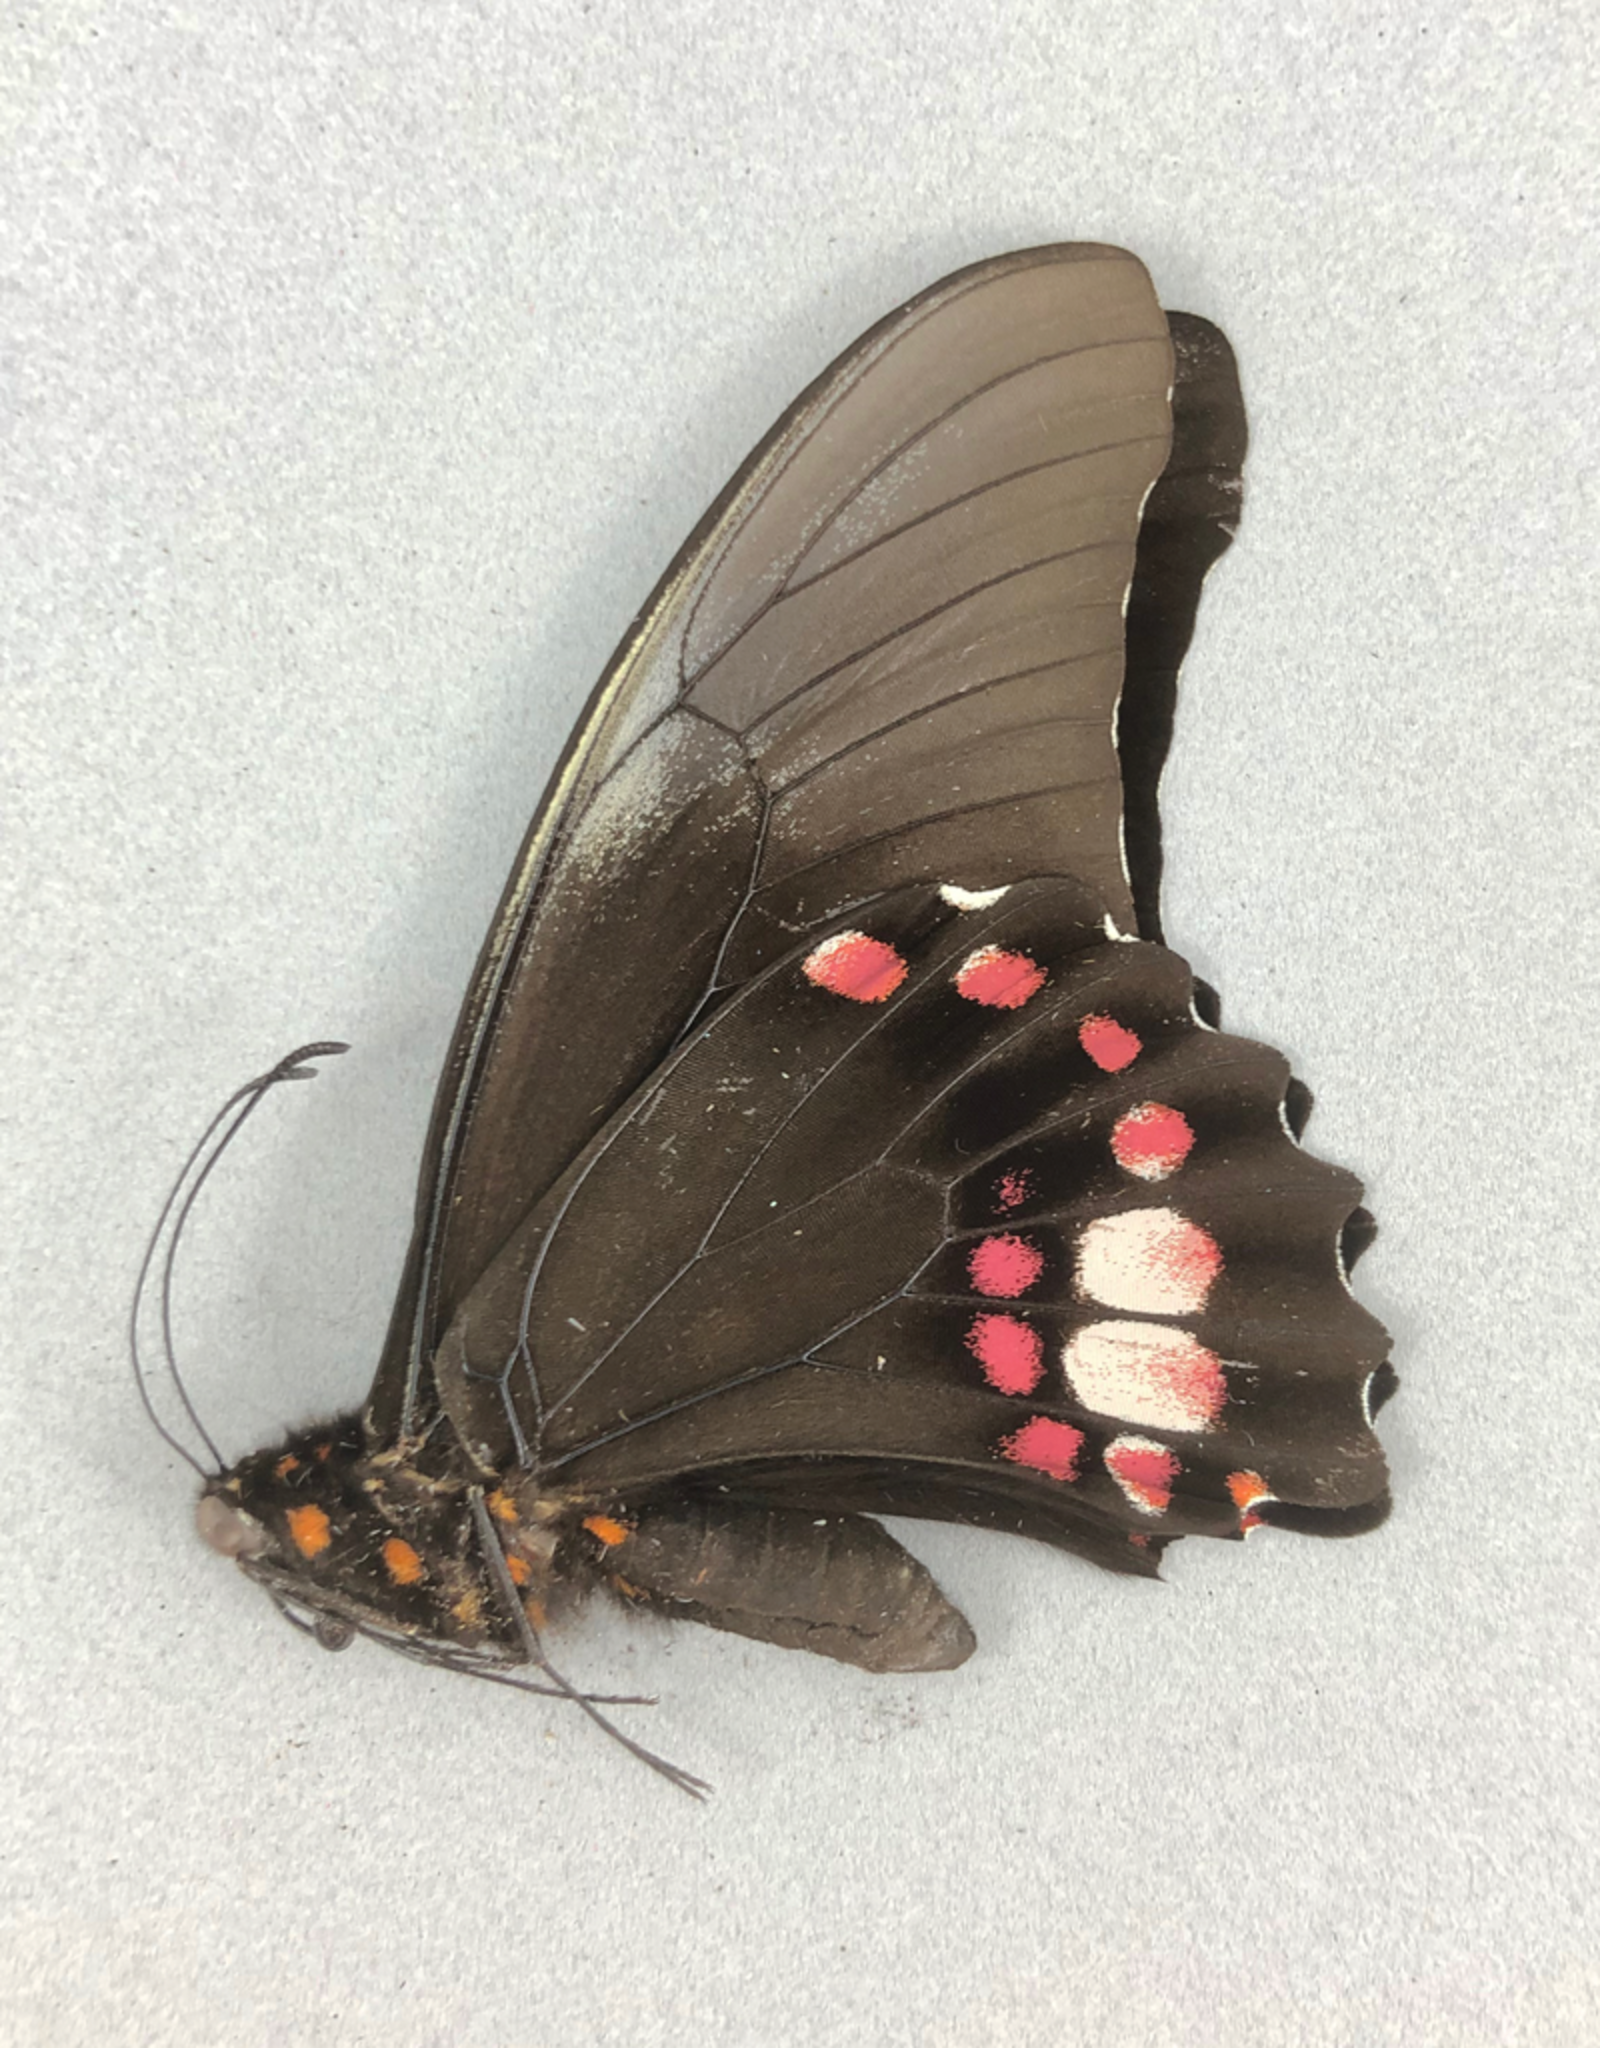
(388,1542)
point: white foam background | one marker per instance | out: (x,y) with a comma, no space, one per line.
(365,364)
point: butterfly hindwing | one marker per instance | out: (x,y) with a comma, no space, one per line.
(962,1200)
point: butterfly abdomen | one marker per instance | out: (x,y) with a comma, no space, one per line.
(836,1584)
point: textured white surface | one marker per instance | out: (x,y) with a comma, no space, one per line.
(365,365)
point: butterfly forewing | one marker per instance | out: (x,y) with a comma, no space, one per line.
(892,651)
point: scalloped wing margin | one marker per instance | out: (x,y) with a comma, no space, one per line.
(1046,1245)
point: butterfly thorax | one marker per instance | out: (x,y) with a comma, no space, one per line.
(383,1542)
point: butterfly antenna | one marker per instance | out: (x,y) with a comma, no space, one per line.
(169,1226)
(334,1632)
(697,1788)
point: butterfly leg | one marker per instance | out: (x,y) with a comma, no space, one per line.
(836,1584)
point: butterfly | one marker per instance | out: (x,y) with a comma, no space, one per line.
(828,1132)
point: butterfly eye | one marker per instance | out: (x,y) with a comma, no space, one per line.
(333,1632)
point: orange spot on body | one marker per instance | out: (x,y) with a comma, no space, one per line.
(502,1506)
(851,964)
(518,1568)
(401,1562)
(322,1453)
(286,1464)
(309,1530)
(608,1529)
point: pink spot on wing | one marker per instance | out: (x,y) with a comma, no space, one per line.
(1144,1470)
(999,980)
(1011,1190)
(1005,1266)
(1145,1372)
(1009,1351)
(1152,1261)
(867,970)
(1049,1447)
(1112,1046)
(1151,1141)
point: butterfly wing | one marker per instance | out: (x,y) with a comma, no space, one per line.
(1189,519)
(891,652)
(953,1212)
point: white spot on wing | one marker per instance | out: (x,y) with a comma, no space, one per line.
(1152,1261)
(971,899)
(1146,1373)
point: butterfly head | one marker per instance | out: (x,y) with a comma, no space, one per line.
(350,1542)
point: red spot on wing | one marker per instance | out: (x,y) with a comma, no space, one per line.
(1009,1351)
(999,980)
(1112,1046)
(1144,1470)
(1151,1141)
(851,964)
(1046,1446)
(1005,1266)
(1011,1190)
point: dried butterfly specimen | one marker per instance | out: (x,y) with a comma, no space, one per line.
(827,1132)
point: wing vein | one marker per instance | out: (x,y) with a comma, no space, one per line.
(1016,675)
(906,626)
(597,1363)
(919,433)
(988,803)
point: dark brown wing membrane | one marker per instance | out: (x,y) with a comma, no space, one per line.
(892,652)
(1189,520)
(926,1251)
